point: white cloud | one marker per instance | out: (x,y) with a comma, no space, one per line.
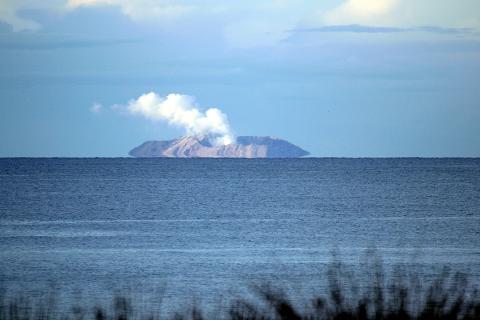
(369,12)
(182,111)
(141,9)
(252,23)
(11,12)
(9,15)
(405,13)
(87,3)
(96,107)
(138,10)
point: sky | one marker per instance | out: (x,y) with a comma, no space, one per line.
(340,78)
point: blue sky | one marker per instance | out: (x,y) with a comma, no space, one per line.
(346,78)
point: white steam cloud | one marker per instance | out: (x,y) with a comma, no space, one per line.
(182,111)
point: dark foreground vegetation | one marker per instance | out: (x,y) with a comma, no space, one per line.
(398,295)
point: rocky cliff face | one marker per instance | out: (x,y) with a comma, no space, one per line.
(200,147)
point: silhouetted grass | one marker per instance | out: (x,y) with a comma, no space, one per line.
(403,294)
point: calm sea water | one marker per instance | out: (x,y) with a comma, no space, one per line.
(204,228)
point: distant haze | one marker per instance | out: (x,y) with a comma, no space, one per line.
(340,78)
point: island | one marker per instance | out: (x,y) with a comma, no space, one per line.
(201,147)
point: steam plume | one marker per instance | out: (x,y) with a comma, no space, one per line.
(181,111)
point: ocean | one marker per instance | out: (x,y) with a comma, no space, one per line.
(206,229)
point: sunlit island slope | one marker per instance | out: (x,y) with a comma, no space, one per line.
(201,147)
